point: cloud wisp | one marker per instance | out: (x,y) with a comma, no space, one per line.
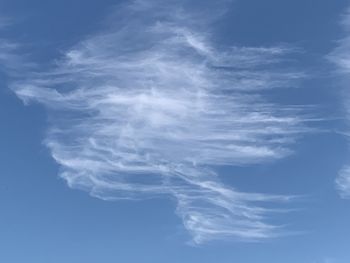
(151,106)
(9,60)
(14,63)
(340,56)
(343,182)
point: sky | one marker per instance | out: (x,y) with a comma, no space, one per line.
(174,131)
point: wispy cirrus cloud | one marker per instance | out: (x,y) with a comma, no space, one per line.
(341,58)
(8,57)
(13,62)
(343,182)
(340,55)
(151,106)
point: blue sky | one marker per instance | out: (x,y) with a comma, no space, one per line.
(174,131)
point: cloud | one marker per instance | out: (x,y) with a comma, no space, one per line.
(343,182)
(13,62)
(151,106)
(341,59)
(7,49)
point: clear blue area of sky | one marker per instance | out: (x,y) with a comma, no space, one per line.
(44,221)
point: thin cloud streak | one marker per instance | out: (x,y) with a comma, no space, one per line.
(13,63)
(343,182)
(9,60)
(149,107)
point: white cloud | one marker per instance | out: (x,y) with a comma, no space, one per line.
(150,106)
(11,60)
(343,182)
(340,57)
